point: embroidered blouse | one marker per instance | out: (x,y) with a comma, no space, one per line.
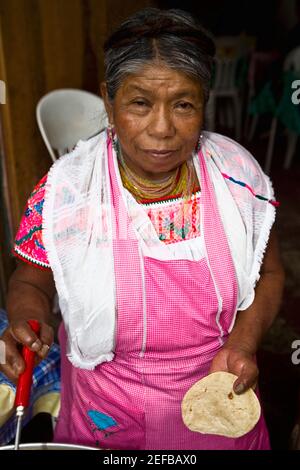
(173,218)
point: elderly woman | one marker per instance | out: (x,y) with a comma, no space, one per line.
(157,237)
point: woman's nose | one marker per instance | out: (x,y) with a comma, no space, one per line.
(161,124)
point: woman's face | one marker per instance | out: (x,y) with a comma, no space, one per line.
(157,114)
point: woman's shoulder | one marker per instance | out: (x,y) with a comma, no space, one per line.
(71,167)
(82,150)
(28,244)
(36,198)
(231,157)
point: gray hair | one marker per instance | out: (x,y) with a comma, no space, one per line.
(173,37)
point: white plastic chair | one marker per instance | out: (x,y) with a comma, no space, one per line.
(292,63)
(64,117)
(67,115)
(229,52)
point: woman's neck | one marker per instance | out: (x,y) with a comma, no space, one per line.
(183,181)
(153,177)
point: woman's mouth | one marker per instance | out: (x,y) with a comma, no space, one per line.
(165,153)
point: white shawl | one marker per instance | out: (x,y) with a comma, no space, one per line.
(77,233)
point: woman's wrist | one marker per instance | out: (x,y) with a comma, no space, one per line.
(28,314)
(241,347)
(32,305)
(245,335)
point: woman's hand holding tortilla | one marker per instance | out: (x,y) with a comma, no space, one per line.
(237,361)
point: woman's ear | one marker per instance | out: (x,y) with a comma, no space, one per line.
(107,103)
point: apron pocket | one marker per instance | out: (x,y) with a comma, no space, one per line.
(105,413)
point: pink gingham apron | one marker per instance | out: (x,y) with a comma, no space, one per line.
(163,346)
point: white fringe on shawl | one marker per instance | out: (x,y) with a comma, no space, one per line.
(77,233)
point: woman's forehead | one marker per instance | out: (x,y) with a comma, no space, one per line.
(152,78)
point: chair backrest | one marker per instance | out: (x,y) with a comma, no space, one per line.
(67,115)
(229,51)
(292,60)
(260,62)
(225,73)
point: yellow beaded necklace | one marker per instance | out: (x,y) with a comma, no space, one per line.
(182,182)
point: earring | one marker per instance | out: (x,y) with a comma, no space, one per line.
(112,136)
(110,131)
(199,143)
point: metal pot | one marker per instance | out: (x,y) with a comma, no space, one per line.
(48,446)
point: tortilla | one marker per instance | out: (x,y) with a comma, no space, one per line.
(211,406)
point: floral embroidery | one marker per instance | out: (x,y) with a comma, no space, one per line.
(29,239)
(177,220)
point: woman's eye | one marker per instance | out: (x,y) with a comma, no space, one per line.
(184,106)
(140,103)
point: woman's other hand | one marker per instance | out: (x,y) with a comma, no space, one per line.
(238,354)
(30,296)
(20,334)
(239,362)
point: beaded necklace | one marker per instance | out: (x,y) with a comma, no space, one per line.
(182,182)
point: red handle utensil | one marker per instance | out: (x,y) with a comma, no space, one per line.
(25,379)
(24,383)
